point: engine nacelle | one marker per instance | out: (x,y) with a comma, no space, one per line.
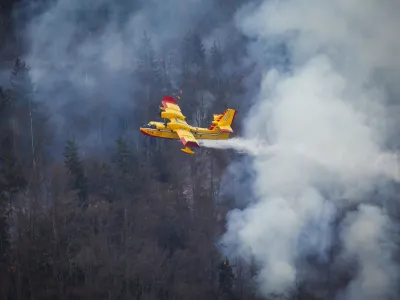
(171,115)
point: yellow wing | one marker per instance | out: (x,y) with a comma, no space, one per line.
(187,139)
(169,102)
(171,109)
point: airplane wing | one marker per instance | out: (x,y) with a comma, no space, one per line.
(171,108)
(170,103)
(187,139)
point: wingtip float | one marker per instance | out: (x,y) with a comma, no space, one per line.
(175,126)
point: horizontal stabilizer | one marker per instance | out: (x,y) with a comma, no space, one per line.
(226,128)
(223,121)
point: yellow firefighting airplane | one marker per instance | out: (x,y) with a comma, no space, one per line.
(175,126)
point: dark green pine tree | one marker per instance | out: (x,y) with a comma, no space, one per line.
(11,182)
(4,105)
(149,75)
(77,178)
(225,280)
(148,67)
(217,60)
(11,178)
(199,53)
(107,182)
(29,118)
(123,159)
(21,83)
(193,54)
(219,81)
(166,84)
(193,72)
(23,108)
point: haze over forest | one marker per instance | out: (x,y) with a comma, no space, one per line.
(302,202)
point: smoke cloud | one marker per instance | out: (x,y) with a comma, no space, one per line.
(319,132)
(83,57)
(367,238)
(323,129)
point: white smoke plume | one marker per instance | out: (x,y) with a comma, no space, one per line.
(327,123)
(251,146)
(83,56)
(367,238)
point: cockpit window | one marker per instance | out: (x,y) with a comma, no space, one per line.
(149,126)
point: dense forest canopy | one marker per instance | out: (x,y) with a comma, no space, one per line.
(302,203)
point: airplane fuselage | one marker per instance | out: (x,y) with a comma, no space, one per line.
(165,130)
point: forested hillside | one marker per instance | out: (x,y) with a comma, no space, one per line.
(101,212)
(90,208)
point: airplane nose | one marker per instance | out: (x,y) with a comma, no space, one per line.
(144,132)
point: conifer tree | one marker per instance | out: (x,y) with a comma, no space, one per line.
(27,115)
(193,54)
(4,105)
(77,178)
(107,178)
(123,156)
(216,58)
(11,182)
(123,159)
(149,74)
(199,53)
(193,73)
(11,178)
(148,67)
(21,95)
(21,83)
(219,83)
(226,278)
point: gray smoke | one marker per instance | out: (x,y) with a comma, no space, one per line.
(367,238)
(83,56)
(329,119)
(323,126)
